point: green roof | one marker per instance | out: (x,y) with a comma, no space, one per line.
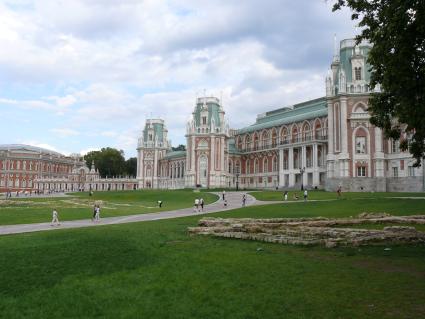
(345,55)
(213,113)
(302,111)
(158,129)
(232,147)
(175,154)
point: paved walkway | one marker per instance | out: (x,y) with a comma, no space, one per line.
(234,200)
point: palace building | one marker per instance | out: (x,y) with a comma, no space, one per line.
(25,168)
(322,143)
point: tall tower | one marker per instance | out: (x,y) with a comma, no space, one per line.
(355,158)
(152,147)
(206,135)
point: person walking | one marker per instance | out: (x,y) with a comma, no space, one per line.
(196,205)
(94,213)
(201,202)
(285,196)
(97,216)
(243,200)
(223,195)
(339,191)
(305,195)
(225,203)
(55,218)
(160,203)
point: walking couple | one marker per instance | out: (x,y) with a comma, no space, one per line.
(96,213)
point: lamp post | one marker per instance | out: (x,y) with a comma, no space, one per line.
(302,170)
(237,181)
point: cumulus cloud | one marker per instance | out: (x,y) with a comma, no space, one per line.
(100,68)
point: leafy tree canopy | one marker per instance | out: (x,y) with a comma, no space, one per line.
(131,166)
(396,28)
(109,161)
(181,147)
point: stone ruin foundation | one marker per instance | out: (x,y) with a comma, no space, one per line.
(316,231)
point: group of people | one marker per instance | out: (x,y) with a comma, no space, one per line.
(295,195)
(95,217)
(96,213)
(305,194)
(25,193)
(199,205)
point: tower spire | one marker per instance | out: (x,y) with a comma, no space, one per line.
(336,53)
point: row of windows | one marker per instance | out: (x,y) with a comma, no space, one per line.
(296,133)
(24,165)
(361,171)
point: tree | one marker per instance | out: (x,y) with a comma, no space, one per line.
(396,28)
(131,166)
(109,161)
(181,147)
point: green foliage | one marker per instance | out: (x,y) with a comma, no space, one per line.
(131,166)
(109,161)
(396,28)
(181,147)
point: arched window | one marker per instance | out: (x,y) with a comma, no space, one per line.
(265,165)
(361,141)
(239,142)
(294,134)
(256,166)
(203,168)
(358,73)
(274,137)
(237,167)
(256,141)
(248,166)
(284,136)
(317,130)
(247,142)
(306,132)
(265,139)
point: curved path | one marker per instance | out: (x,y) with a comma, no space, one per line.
(234,200)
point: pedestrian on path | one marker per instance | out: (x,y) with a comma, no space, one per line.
(196,208)
(97,216)
(339,191)
(305,195)
(201,202)
(225,203)
(94,212)
(223,195)
(55,218)
(243,200)
(285,196)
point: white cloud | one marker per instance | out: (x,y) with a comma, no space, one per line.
(46,146)
(100,68)
(87,150)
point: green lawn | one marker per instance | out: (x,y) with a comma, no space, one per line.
(155,270)
(80,205)
(319,194)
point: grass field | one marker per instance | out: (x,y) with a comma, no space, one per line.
(155,270)
(319,194)
(80,205)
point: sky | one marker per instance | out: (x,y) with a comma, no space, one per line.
(80,75)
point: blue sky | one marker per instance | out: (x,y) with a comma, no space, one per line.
(80,75)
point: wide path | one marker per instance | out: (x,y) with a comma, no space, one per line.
(234,200)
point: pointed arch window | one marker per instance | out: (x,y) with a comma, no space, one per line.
(358,73)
